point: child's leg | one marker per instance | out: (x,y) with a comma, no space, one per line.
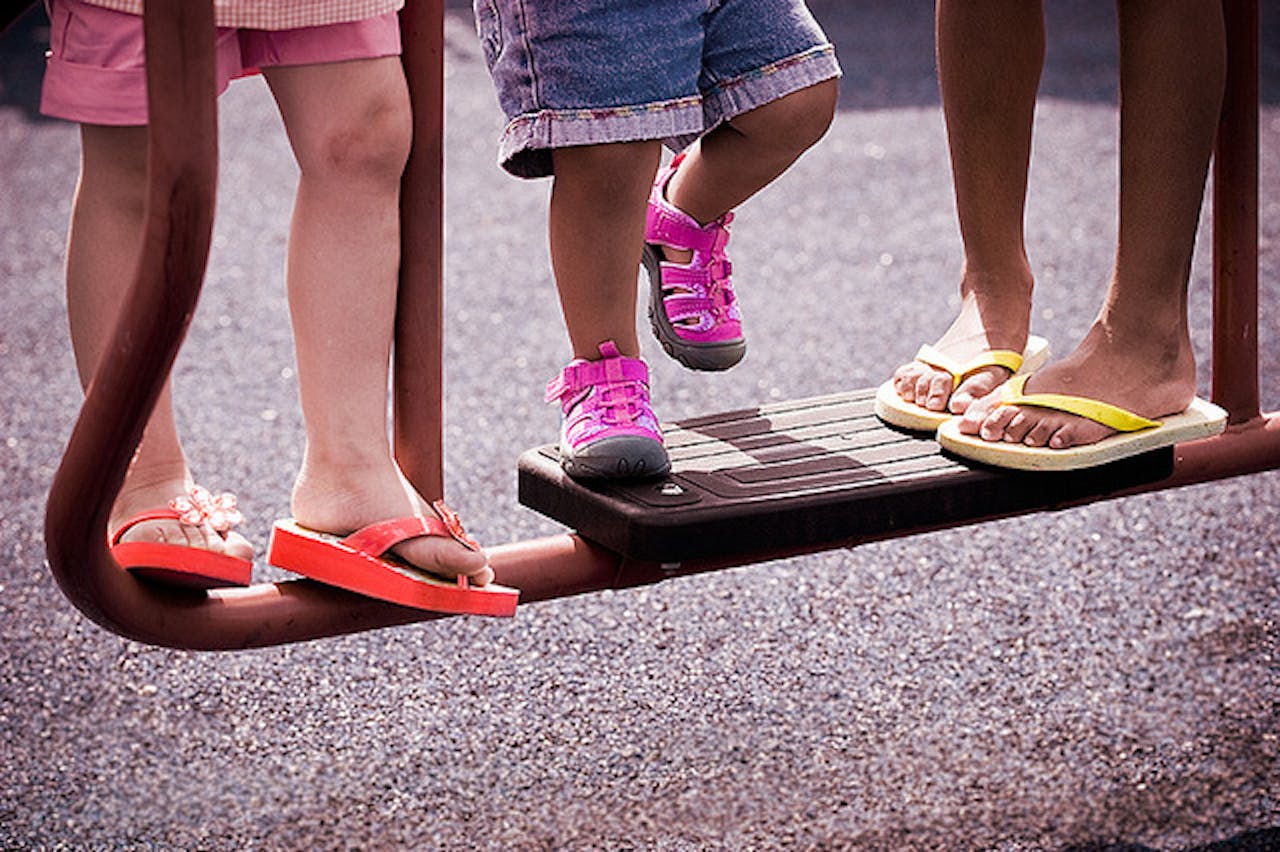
(990,55)
(597,217)
(745,154)
(102,252)
(693,308)
(1138,353)
(349,127)
(596,228)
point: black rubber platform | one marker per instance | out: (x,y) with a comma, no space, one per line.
(803,475)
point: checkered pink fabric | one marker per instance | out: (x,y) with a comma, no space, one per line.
(278,14)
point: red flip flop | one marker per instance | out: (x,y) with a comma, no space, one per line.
(179,565)
(360,563)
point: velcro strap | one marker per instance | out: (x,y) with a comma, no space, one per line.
(686,305)
(670,226)
(581,375)
(1111,416)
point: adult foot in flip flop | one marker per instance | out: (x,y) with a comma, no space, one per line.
(1139,372)
(995,313)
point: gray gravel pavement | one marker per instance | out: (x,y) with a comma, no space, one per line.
(1106,677)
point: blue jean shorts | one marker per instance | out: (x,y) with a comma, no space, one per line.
(591,72)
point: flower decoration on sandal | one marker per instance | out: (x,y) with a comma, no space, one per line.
(199,506)
(453,524)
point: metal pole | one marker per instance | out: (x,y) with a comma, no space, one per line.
(181,164)
(419,374)
(1235,221)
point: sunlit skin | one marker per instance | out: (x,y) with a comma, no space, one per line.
(1137,354)
(348,124)
(600,194)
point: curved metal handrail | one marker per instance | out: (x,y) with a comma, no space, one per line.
(182,164)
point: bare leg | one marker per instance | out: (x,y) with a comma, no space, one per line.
(102,254)
(1138,353)
(598,204)
(349,126)
(990,55)
(747,153)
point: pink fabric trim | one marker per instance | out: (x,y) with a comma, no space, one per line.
(96,72)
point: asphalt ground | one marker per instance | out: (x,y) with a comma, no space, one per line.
(1106,677)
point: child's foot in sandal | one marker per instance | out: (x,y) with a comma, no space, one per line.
(609,429)
(337,499)
(692,307)
(177,533)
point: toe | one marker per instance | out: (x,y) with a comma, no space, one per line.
(1015,431)
(237,546)
(972,389)
(1041,433)
(920,390)
(938,393)
(994,424)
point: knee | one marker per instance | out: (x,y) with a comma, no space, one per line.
(611,171)
(370,145)
(796,121)
(113,170)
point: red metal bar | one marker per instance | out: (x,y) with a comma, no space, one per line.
(183,166)
(181,163)
(419,373)
(1235,221)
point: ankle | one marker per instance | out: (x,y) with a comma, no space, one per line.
(1010,280)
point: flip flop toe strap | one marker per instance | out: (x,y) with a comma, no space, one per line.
(141,518)
(376,539)
(1006,358)
(198,506)
(1111,416)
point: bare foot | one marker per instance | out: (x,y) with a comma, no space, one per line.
(1142,374)
(342,498)
(995,313)
(141,496)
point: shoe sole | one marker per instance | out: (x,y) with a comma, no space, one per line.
(704,357)
(622,457)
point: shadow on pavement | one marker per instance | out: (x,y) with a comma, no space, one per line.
(1262,840)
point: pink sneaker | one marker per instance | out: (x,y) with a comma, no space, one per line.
(691,306)
(609,430)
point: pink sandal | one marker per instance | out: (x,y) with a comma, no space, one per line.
(609,429)
(177,564)
(692,308)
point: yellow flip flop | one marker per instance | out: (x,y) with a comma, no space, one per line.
(1135,434)
(896,411)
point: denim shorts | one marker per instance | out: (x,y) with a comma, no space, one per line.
(589,72)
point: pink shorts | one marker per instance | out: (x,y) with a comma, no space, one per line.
(96,71)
